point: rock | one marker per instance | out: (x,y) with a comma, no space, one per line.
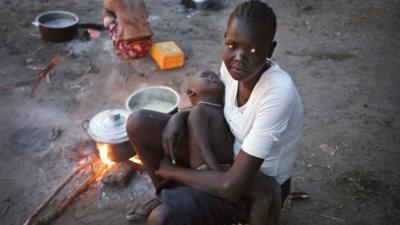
(328,149)
(29,61)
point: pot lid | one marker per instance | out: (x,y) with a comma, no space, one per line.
(109,126)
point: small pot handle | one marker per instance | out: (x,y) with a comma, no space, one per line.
(35,23)
(85,125)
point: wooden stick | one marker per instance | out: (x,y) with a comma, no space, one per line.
(32,219)
(72,195)
(53,62)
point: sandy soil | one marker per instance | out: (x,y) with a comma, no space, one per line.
(342,55)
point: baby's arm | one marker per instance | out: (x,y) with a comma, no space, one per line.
(199,129)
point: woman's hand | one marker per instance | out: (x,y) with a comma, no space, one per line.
(108,20)
(165,168)
(173,133)
(213,166)
(230,185)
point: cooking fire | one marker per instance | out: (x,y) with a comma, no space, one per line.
(87,172)
(103,154)
(117,173)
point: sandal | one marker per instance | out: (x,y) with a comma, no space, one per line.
(139,215)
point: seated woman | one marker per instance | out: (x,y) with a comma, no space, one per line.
(264,113)
(209,146)
(126,21)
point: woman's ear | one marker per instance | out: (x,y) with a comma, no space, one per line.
(272,48)
(190,93)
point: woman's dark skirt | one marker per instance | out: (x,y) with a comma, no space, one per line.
(193,207)
(190,206)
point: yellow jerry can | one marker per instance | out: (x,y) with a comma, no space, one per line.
(167,55)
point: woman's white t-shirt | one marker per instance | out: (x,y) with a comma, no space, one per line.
(270,124)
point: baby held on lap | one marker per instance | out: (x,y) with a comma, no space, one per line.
(210,140)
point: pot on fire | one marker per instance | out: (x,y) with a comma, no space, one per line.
(107,128)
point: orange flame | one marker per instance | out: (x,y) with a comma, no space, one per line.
(103,153)
(136,160)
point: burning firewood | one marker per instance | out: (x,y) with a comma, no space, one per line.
(31,219)
(67,200)
(97,170)
(119,174)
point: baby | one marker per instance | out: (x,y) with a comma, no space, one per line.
(210,139)
(126,21)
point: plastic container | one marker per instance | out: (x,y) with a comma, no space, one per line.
(167,55)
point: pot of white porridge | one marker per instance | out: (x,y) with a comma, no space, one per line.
(157,98)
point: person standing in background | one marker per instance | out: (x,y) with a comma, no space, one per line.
(126,21)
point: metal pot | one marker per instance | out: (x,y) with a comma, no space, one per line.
(108,128)
(57,26)
(164,99)
(201,4)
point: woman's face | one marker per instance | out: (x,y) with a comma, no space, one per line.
(247,45)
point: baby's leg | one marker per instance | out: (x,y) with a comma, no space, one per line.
(265,195)
(195,157)
(221,152)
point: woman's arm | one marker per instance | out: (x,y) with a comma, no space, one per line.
(229,185)
(270,122)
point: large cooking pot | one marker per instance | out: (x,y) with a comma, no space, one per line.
(57,26)
(108,128)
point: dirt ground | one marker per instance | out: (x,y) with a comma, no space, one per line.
(344,57)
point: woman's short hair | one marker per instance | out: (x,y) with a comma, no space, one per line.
(258,11)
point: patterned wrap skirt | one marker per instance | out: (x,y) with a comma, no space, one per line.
(128,49)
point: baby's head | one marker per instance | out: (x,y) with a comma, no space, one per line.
(249,39)
(206,86)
